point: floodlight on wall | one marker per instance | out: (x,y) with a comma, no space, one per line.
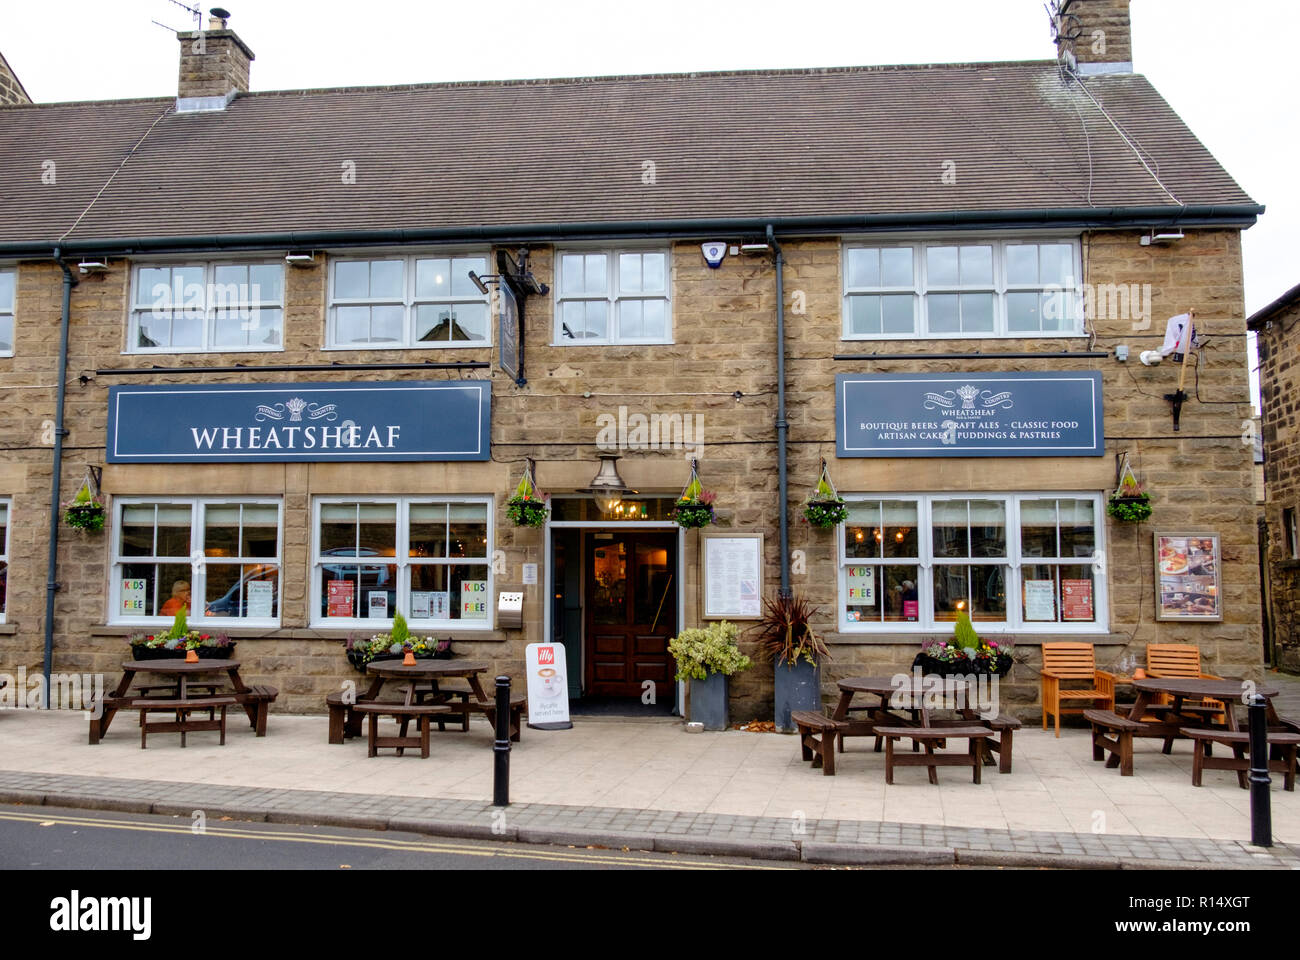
(752,249)
(1154,239)
(92,266)
(300,258)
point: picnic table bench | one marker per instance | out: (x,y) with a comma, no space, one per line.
(403,713)
(1282,744)
(930,736)
(817,736)
(183,723)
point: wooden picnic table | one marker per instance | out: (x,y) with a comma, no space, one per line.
(881,713)
(1189,688)
(411,676)
(181,675)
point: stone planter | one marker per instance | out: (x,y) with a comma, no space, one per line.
(709,702)
(798,687)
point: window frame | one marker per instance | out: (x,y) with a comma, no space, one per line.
(1013,564)
(198,562)
(613,296)
(403,561)
(1291,533)
(11,313)
(409,302)
(921,288)
(134,311)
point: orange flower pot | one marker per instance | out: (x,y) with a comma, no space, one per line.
(409,659)
(191,656)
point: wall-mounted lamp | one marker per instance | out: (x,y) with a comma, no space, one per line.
(92,266)
(299,258)
(1154,239)
(607,487)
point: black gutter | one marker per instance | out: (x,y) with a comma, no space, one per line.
(1239,215)
(782,427)
(1018,355)
(283,367)
(51,584)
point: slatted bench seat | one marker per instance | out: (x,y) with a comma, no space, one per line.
(929,736)
(341,718)
(1120,745)
(1283,744)
(817,736)
(183,723)
(257,702)
(489,710)
(403,713)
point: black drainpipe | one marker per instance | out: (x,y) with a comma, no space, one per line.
(782,428)
(51,584)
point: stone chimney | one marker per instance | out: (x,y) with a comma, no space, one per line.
(214,66)
(11,91)
(1093,36)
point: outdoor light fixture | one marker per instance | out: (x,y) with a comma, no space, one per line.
(297,258)
(481,283)
(92,266)
(607,487)
(755,248)
(1160,239)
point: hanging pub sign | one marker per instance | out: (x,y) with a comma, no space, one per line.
(214,423)
(507,311)
(969,415)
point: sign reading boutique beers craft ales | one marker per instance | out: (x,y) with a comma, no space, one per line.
(969,415)
(213,423)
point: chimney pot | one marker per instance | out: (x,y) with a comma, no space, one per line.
(214,66)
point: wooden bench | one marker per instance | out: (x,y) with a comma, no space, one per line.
(1120,745)
(817,736)
(183,722)
(341,718)
(930,736)
(403,713)
(256,702)
(1282,745)
(1004,727)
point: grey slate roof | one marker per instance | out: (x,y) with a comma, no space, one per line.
(804,143)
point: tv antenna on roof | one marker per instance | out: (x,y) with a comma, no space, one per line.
(195,11)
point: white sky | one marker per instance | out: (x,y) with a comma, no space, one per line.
(1226,67)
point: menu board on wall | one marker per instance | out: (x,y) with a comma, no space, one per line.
(732,576)
(1187,571)
(338,595)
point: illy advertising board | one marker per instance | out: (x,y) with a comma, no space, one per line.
(240,423)
(1017,414)
(548,686)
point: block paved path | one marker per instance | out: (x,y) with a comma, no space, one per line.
(779,838)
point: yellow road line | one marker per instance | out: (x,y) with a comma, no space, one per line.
(409,846)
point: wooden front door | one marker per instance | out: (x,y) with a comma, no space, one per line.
(631,612)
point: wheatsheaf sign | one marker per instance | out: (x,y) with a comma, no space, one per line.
(969,415)
(213,423)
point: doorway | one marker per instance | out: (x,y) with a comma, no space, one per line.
(629,613)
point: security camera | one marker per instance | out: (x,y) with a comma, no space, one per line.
(1150,358)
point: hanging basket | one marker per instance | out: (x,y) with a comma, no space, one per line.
(694,508)
(527,507)
(1130,503)
(85,516)
(825,508)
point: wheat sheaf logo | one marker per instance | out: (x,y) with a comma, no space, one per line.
(968,394)
(295,408)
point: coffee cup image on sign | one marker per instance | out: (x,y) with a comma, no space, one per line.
(550,681)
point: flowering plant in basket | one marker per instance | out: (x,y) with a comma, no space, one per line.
(394,645)
(527,507)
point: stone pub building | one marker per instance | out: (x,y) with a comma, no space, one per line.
(250,317)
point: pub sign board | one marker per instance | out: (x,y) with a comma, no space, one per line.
(299,422)
(1018,414)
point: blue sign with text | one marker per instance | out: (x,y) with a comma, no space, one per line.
(276,423)
(969,415)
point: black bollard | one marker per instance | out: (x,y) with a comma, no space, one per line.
(501,746)
(1261,811)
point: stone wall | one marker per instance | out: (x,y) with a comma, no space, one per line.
(721,366)
(11,90)
(1278,374)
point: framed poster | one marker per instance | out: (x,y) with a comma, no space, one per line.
(1187,577)
(731,576)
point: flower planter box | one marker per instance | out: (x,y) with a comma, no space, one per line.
(998,667)
(709,702)
(162,653)
(798,687)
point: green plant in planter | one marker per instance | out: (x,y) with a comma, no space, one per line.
(694,508)
(784,633)
(85,512)
(702,651)
(1130,503)
(527,507)
(825,508)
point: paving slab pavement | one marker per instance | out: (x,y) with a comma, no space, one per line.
(649,785)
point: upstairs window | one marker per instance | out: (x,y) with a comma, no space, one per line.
(416,301)
(8,280)
(960,290)
(612,296)
(207,307)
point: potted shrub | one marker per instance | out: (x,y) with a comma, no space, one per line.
(785,635)
(1130,503)
(394,645)
(965,654)
(825,508)
(707,656)
(179,640)
(527,508)
(84,511)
